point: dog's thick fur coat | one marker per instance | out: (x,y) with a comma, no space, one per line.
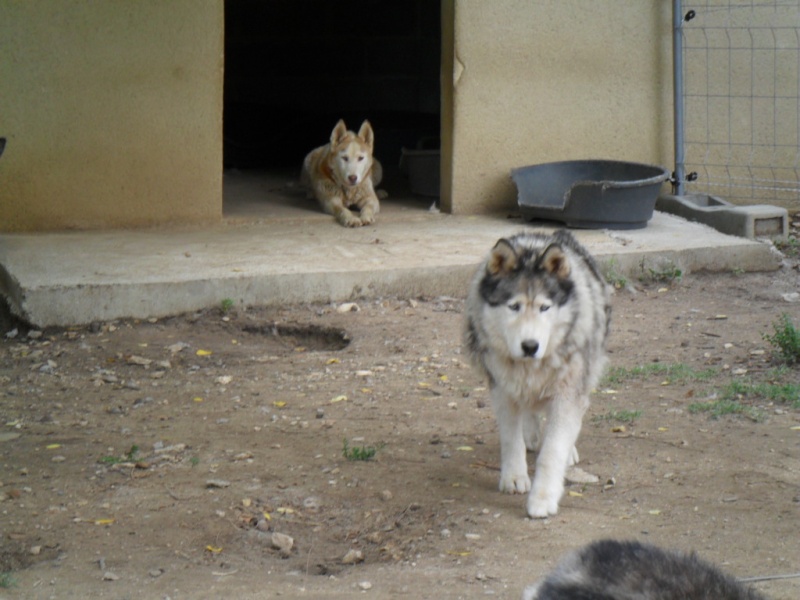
(343,174)
(613,570)
(538,313)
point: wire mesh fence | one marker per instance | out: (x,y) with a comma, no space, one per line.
(741,100)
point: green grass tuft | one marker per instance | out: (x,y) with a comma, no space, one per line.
(620,416)
(785,340)
(356,453)
(674,373)
(131,456)
(782,393)
(226,305)
(7,581)
(719,408)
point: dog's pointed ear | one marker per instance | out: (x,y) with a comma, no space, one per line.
(503,258)
(338,132)
(366,133)
(555,262)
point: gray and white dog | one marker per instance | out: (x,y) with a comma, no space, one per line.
(628,570)
(538,314)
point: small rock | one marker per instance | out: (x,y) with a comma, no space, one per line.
(352,557)
(139,360)
(386,495)
(35,550)
(364,585)
(374,537)
(155,573)
(472,536)
(311,503)
(348,307)
(217,483)
(445,533)
(284,543)
(175,348)
(262,525)
(109,576)
(577,475)
(49,367)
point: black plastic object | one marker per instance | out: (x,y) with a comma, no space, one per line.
(590,194)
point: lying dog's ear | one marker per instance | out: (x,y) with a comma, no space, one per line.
(503,258)
(555,262)
(366,133)
(338,132)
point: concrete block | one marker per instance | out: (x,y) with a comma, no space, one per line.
(758,220)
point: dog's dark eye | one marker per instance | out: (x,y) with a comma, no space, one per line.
(360,158)
(515,306)
(346,158)
(544,308)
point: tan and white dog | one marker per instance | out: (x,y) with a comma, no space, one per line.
(343,174)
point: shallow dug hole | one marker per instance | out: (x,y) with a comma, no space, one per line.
(314,338)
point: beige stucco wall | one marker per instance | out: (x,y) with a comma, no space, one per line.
(113,113)
(535,82)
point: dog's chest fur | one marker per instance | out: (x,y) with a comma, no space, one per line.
(529,382)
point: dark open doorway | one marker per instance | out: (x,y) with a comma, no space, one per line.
(294,67)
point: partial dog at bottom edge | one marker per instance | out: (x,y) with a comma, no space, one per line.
(631,570)
(343,174)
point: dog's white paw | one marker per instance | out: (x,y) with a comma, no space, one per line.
(515,483)
(349,220)
(545,495)
(367,218)
(542,505)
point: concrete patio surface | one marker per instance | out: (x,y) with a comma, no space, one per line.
(275,247)
(75,278)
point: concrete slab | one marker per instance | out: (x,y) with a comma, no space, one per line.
(75,278)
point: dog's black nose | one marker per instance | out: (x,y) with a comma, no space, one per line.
(529,347)
(352,178)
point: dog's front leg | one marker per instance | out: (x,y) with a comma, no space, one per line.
(514,477)
(532,425)
(333,204)
(561,431)
(368,209)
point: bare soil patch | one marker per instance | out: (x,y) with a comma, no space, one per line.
(157,459)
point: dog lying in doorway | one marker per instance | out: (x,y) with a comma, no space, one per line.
(342,175)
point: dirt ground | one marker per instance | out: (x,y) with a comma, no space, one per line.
(157,459)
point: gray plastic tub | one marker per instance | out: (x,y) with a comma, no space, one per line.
(590,194)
